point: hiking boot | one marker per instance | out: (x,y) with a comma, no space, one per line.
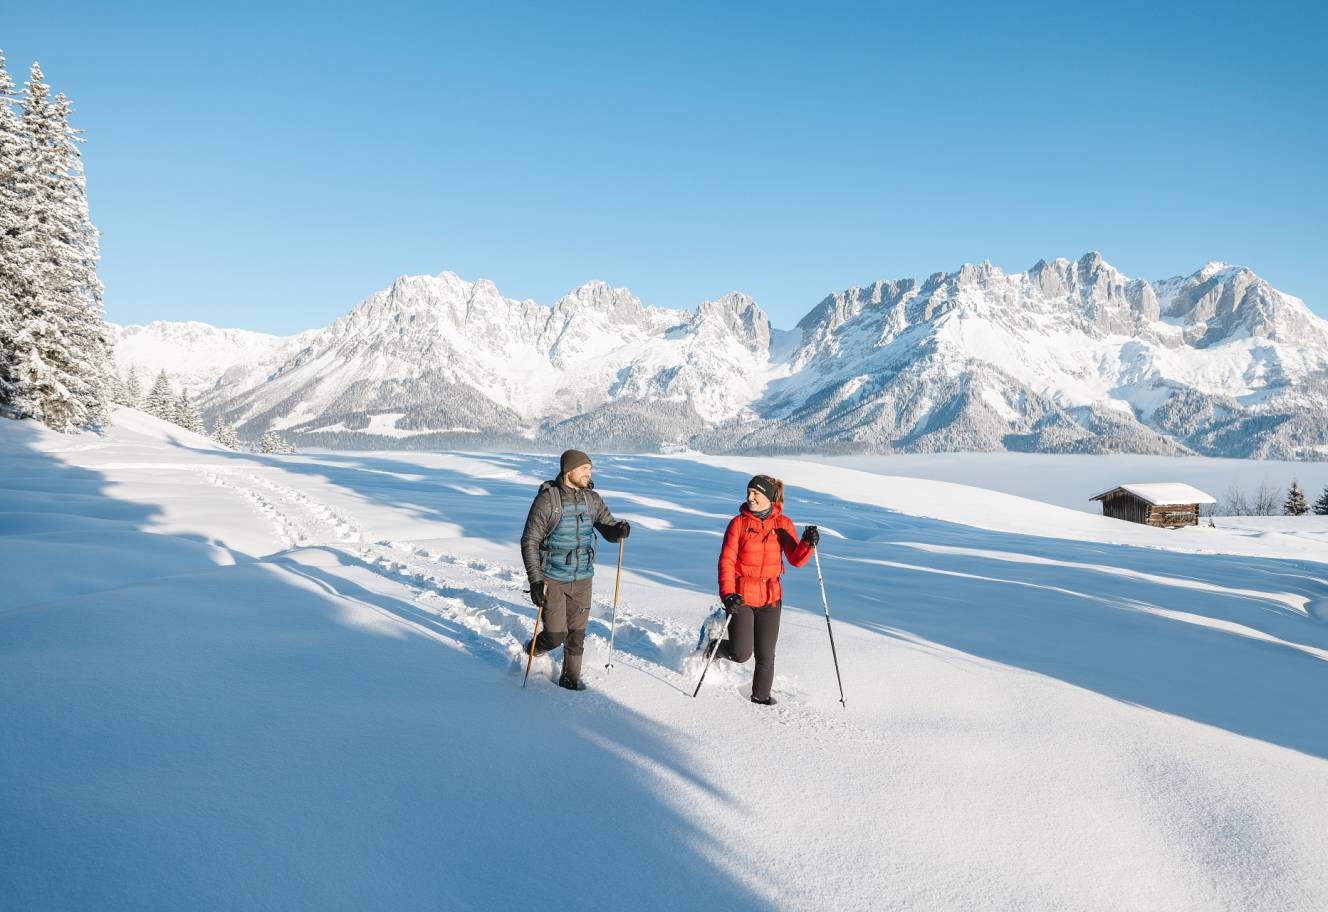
(768,701)
(525,650)
(569,683)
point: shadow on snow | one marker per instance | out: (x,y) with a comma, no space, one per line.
(268,734)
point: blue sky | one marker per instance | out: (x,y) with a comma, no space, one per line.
(268,165)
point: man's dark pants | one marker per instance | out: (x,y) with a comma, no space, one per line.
(566,612)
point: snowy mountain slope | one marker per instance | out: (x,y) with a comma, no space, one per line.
(1116,722)
(1071,356)
(196,355)
(456,358)
(1067,357)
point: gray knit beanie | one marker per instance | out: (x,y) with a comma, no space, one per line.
(572,459)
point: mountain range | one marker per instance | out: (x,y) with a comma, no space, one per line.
(1070,356)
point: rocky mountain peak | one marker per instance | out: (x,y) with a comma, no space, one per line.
(738,315)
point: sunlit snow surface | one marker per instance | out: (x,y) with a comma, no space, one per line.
(237,681)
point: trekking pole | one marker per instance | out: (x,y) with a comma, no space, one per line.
(710,658)
(826,605)
(613,628)
(530,658)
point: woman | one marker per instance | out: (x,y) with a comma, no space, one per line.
(750,564)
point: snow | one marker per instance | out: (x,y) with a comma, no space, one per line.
(385,425)
(1070,480)
(1168,493)
(193,354)
(243,681)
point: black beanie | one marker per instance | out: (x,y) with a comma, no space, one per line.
(765,484)
(571,459)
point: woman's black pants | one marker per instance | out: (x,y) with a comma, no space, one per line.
(754,629)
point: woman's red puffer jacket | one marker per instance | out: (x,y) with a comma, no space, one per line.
(752,558)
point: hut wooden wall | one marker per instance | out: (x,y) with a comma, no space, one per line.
(1169,515)
(1126,506)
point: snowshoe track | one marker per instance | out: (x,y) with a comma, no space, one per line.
(483,605)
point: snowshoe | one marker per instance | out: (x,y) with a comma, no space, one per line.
(712,629)
(768,701)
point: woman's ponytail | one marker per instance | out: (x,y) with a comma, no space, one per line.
(779,491)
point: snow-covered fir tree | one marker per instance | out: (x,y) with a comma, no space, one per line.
(1321,505)
(14,227)
(160,401)
(224,434)
(272,442)
(187,415)
(58,367)
(133,389)
(1295,501)
(80,249)
(117,390)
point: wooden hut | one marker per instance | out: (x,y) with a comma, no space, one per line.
(1165,505)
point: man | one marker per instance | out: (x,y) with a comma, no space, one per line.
(558,548)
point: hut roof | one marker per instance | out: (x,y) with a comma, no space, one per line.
(1161,494)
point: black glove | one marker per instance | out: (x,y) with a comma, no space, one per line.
(731,601)
(616,532)
(811,536)
(539,592)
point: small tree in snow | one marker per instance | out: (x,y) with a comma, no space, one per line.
(1295,501)
(1265,499)
(1234,502)
(160,401)
(187,414)
(224,434)
(1322,503)
(272,443)
(117,388)
(133,390)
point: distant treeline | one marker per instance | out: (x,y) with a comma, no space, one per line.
(1268,500)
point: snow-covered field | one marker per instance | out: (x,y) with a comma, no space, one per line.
(238,681)
(1069,481)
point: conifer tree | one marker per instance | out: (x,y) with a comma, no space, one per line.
(41,360)
(133,389)
(186,414)
(224,434)
(118,390)
(272,443)
(1321,505)
(160,400)
(14,227)
(79,252)
(1295,502)
(59,365)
